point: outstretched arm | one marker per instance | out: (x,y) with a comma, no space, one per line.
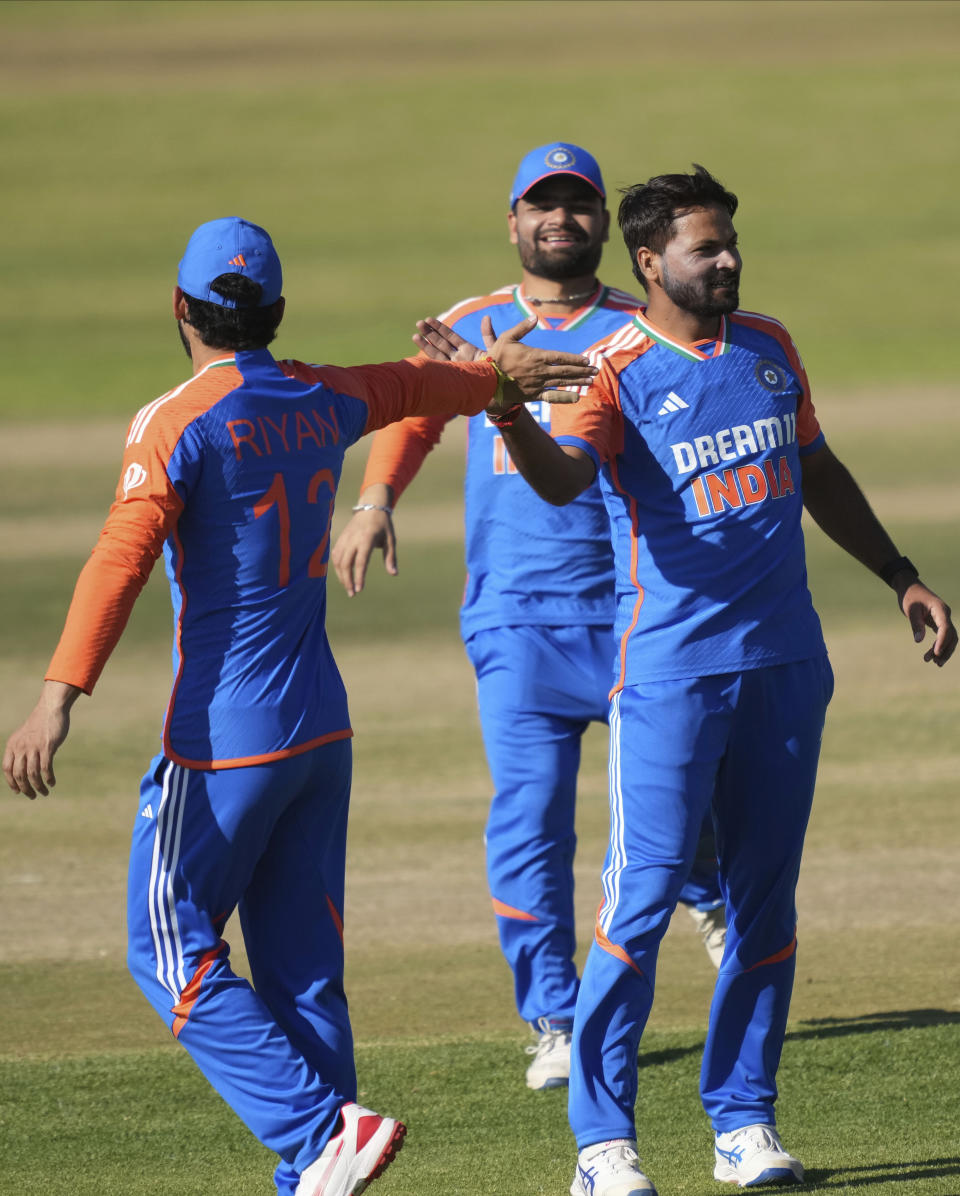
(557,473)
(840,508)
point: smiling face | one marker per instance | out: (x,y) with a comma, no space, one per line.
(559,227)
(699,268)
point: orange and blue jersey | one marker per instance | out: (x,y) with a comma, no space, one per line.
(698,448)
(232,476)
(528,563)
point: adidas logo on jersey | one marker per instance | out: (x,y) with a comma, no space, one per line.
(673,403)
(147,811)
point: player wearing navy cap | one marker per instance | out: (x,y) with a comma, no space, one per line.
(231,477)
(701,428)
(538,607)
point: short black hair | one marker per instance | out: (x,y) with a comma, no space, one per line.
(648,210)
(246,326)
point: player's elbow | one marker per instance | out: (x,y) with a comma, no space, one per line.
(559,492)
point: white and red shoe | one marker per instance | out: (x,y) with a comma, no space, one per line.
(361,1151)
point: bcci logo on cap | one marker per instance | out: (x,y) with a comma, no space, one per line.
(771,376)
(560,159)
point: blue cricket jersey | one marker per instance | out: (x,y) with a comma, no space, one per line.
(528,562)
(699,449)
(232,476)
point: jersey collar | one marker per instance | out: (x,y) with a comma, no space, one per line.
(574,320)
(691,352)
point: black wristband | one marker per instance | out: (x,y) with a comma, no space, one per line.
(900,564)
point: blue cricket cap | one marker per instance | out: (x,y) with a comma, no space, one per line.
(230,246)
(559,157)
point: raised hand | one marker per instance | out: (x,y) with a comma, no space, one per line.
(529,373)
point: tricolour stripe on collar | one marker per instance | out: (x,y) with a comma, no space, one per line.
(690,352)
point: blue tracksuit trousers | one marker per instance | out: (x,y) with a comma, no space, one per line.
(270,841)
(747,744)
(538,690)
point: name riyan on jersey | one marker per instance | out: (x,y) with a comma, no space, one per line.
(294,431)
(715,491)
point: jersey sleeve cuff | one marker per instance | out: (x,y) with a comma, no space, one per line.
(584,445)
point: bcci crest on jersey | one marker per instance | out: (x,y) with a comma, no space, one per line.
(771,375)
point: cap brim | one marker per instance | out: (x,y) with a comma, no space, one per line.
(553,174)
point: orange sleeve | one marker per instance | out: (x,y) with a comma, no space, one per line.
(144,512)
(596,417)
(398,451)
(808,426)
(414,386)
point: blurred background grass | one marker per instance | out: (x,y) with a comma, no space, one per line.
(377,142)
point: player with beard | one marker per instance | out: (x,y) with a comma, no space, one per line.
(700,425)
(537,614)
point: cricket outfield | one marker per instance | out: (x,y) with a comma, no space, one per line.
(377,143)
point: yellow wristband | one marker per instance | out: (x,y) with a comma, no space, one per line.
(502,376)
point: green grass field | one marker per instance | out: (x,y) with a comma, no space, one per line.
(377,142)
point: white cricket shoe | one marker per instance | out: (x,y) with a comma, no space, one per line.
(361,1151)
(754,1155)
(551,1059)
(712,924)
(610,1169)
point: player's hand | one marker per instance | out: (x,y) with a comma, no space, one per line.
(537,373)
(441,343)
(924,609)
(28,759)
(532,373)
(351,553)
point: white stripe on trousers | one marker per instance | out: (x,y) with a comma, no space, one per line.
(166,856)
(618,853)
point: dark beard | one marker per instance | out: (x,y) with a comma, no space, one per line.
(582,260)
(699,298)
(183,339)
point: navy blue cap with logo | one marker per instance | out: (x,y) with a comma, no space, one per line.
(558,157)
(230,246)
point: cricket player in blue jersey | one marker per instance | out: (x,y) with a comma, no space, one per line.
(702,430)
(231,477)
(538,608)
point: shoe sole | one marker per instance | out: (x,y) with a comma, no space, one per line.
(770,1175)
(386,1157)
(577,1189)
(552,1082)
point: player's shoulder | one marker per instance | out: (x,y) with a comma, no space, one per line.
(166,417)
(760,322)
(767,326)
(479,304)
(618,348)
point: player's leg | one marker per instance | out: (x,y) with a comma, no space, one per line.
(196,843)
(763,800)
(537,690)
(666,743)
(292,920)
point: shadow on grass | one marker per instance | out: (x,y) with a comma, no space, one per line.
(880,1173)
(824,1027)
(870,1023)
